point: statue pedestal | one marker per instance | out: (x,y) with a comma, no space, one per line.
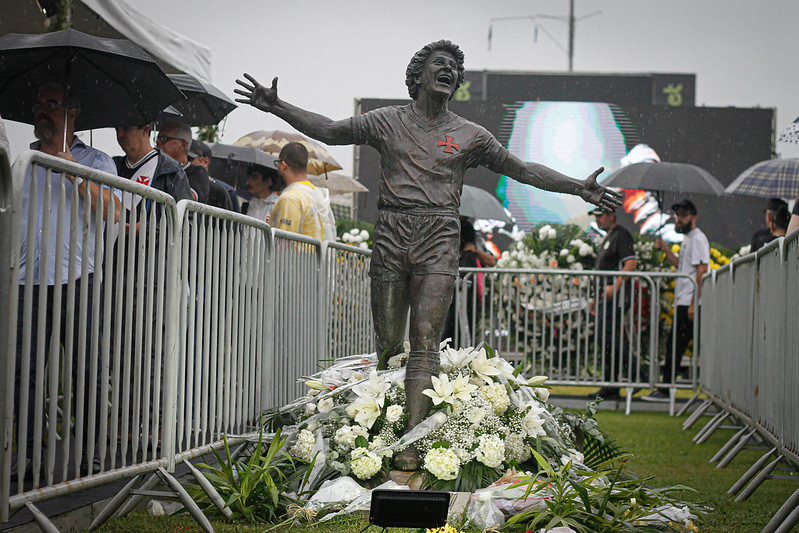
(401,477)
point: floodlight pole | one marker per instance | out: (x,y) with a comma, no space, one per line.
(571,20)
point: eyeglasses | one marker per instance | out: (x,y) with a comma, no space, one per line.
(48,106)
(277,163)
(163,139)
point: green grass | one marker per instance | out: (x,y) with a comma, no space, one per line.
(660,448)
(663,450)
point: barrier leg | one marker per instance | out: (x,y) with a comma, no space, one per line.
(741,483)
(41,520)
(134,500)
(672,400)
(115,503)
(710,423)
(695,416)
(738,447)
(630,392)
(758,480)
(688,404)
(190,505)
(786,517)
(712,429)
(728,445)
(209,489)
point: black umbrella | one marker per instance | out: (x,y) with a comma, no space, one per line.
(205,105)
(659,177)
(229,162)
(116,82)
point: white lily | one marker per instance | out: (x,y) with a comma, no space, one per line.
(462,389)
(366,410)
(456,359)
(442,390)
(375,388)
(484,367)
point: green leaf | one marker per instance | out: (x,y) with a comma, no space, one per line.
(361,442)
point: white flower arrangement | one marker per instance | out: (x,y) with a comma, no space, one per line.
(491,417)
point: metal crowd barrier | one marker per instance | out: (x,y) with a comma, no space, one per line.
(349,314)
(195,321)
(750,351)
(545,320)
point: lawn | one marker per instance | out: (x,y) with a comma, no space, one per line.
(660,448)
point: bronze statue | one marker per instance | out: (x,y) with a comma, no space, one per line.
(425,151)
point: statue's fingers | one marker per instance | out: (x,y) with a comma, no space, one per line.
(252,80)
(246,93)
(597,172)
(614,194)
(245,85)
(274,83)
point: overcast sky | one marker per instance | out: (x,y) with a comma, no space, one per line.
(328,53)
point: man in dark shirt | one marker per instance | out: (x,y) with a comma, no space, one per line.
(174,138)
(220,194)
(616,252)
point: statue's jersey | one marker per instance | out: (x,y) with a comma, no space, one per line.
(423,163)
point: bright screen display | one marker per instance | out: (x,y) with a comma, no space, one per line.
(574,137)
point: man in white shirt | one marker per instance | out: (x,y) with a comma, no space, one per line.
(694,260)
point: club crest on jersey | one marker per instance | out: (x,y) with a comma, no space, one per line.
(448,144)
(144,180)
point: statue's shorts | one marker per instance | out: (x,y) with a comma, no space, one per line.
(415,242)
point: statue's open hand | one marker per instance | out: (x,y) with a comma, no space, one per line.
(256,94)
(599,195)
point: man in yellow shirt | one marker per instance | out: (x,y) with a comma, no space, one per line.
(301,208)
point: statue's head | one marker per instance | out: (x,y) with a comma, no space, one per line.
(414,71)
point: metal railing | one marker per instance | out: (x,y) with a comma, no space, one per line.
(181,324)
(560,323)
(750,352)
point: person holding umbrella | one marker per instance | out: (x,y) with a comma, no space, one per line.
(694,260)
(425,151)
(54,127)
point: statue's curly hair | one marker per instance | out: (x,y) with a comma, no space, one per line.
(416,65)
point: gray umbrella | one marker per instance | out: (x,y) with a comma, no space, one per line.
(660,177)
(229,162)
(479,203)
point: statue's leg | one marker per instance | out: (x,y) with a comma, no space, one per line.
(431,295)
(389,313)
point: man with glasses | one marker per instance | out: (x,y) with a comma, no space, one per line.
(694,260)
(174,138)
(59,272)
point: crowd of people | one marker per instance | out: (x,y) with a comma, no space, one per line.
(177,165)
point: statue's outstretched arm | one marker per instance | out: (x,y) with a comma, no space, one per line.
(548,179)
(312,124)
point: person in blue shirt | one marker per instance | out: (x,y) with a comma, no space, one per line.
(50,267)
